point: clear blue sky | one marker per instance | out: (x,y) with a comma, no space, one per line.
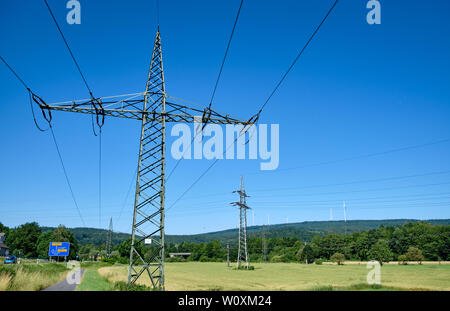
(358,89)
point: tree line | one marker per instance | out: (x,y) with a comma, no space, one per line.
(412,241)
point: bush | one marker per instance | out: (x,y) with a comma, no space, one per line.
(414,254)
(123,286)
(402,260)
(123,260)
(338,258)
(175,259)
(318,261)
(276,259)
(109,260)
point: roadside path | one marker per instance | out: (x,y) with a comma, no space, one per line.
(64,285)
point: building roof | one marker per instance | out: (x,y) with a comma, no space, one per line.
(3,245)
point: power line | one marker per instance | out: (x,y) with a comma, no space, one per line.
(367,155)
(68,48)
(226,53)
(296,59)
(100,180)
(262,107)
(94,103)
(15,74)
(335,184)
(32,96)
(65,174)
(214,90)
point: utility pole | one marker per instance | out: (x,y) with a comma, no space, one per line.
(345,218)
(153,111)
(228,254)
(242,247)
(264,246)
(109,239)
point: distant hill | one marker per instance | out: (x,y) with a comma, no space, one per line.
(303,230)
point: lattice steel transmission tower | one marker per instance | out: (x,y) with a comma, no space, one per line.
(242,242)
(153,110)
(264,245)
(109,239)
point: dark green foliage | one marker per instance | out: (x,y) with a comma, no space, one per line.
(402,260)
(123,286)
(414,254)
(380,252)
(4,229)
(125,246)
(338,258)
(22,240)
(94,236)
(309,253)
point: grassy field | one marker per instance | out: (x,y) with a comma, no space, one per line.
(31,277)
(92,281)
(291,276)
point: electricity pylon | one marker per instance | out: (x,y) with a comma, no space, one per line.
(154,111)
(109,239)
(264,246)
(242,242)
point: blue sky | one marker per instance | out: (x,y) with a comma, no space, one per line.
(357,90)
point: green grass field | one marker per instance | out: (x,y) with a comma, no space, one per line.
(31,277)
(92,281)
(292,276)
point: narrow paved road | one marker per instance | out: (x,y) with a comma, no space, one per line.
(64,285)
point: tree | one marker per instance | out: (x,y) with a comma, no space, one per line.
(402,260)
(43,243)
(308,254)
(414,254)
(125,246)
(4,229)
(62,234)
(24,238)
(380,252)
(338,258)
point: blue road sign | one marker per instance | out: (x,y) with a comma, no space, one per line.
(59,249)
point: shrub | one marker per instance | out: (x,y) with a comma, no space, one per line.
(402,260)
(276,259)
(414,254)
(175,259)
(109,260)
(123,286)
(380,252)
(338,258)
(318,261)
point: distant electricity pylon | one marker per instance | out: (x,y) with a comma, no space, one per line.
(153,111)
(345,217)
(109,239)
(242,242)
(264,246)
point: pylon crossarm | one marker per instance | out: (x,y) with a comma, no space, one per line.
(131,108)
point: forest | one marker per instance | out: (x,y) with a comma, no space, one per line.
(410,241)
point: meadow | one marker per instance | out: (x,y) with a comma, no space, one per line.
(187,276)
(31,276)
